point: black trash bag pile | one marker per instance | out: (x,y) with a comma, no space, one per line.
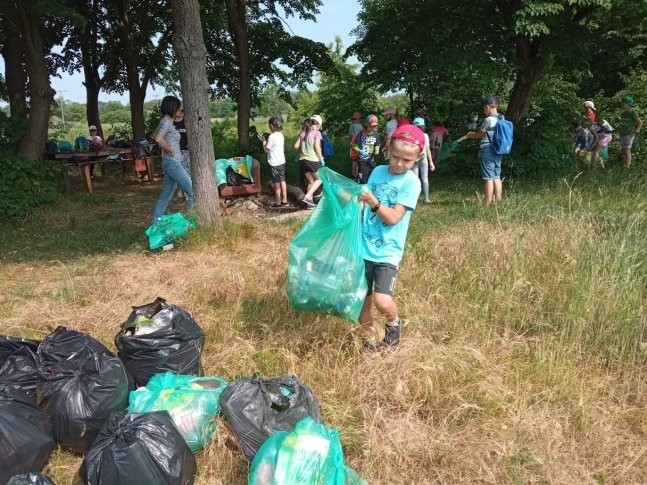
(80,383)
(26,439)
(19,363)
(30,479)
(132,449)
(256,407)
(176,347)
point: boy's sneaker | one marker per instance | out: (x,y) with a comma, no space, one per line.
(309,203)
(392,335)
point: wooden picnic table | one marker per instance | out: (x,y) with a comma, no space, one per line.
(99,157)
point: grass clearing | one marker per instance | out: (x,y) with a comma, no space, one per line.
(523,355)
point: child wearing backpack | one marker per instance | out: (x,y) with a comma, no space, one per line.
(490,161)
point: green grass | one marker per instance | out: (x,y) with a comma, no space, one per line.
(523,357)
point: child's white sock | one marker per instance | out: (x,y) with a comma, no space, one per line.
(394,323)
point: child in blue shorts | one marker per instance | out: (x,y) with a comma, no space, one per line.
(490,161)
(393,192)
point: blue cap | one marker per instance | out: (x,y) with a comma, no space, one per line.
(489,100)
(419,121)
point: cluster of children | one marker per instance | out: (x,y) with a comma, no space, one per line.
(592,136)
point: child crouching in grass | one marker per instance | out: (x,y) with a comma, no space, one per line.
(392,196)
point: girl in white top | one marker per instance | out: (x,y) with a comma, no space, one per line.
(274,147)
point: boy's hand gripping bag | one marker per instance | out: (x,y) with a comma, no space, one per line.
(325,265)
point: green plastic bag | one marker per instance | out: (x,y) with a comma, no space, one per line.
(310,454)
(191,401)
(167,229)
(325,264)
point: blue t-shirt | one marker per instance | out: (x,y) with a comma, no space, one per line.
(382,243)
(172,137)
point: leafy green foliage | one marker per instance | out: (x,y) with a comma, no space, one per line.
(26,184)
(343,91)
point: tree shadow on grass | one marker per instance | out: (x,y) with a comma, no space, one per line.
(82,224)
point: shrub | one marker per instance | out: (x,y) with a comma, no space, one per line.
(26,184)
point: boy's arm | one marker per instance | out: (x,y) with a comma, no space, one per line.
(430,159)
(639,124)
(376,148)
(390,215)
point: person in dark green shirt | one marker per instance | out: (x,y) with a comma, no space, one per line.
(630,124)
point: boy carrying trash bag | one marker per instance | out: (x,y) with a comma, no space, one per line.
(345,259)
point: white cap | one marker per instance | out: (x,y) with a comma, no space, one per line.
(317,118)
(589,104)
(92,127)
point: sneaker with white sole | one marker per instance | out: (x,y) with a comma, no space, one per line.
(392,335)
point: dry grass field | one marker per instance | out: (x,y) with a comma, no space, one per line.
(523,355)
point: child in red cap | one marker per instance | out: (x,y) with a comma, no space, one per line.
(393,191)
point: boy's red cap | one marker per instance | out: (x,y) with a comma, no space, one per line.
(410,134)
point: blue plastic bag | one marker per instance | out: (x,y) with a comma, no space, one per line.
(167,229)
(325,264)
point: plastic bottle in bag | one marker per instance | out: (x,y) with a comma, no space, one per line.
(160,320)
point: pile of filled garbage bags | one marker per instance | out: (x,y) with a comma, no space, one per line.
(142,413)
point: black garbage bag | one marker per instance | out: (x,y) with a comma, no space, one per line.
(19,363)
(133,449)
(80,393)
(30,479)
(176,347)
(63,342)
(26,439)
(257,407)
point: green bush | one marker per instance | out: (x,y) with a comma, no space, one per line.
(26,184)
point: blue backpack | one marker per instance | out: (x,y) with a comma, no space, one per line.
(501,142)
(327,148)
(81,144)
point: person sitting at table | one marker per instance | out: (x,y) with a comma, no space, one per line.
(95,142)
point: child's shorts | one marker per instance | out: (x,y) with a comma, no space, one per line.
(312,167)
(380,277)
(626,141)
(604,140)
(278,173)
(490,164)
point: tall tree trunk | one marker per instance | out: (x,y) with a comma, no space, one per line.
(32,143)
(92,105)
(91,61)
(532,65)
(191,57)
(237,21)
(136,97)
(15,76)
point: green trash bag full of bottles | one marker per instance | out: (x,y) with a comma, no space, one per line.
(325,264)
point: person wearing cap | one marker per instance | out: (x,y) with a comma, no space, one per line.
(354,128)
(391,115)
(490,162)
(308,145)
(95,143)
(630,124)
(590,111)
(391,197)
(366,145)
(422,166)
